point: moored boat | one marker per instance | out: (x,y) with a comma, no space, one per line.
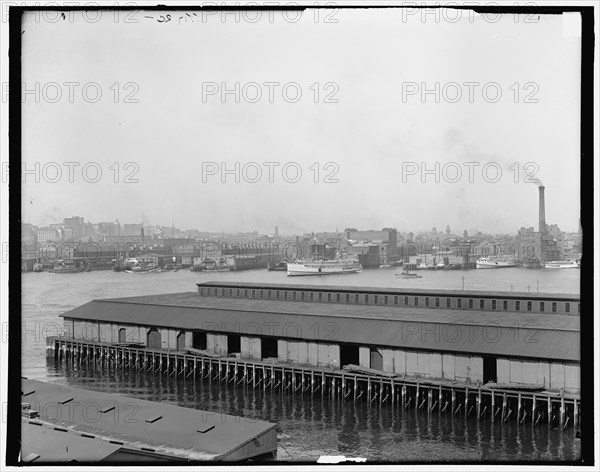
(65,267)
(562,265)
(323,267)
(495,262)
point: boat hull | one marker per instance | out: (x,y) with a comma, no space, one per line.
(295,270)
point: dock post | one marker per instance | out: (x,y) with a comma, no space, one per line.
(272,376)
(403,396)
(533,407)
(369,390)
(293,382)
(417,396)
(380,391)
(440,398)
(393,389)
(302,382)
(453,404)
(503,405)
(575,414)
(478,403)
(549,412)
(355,388)
(466,402)
(562,411)
(429,399)
(322,385)
(344,386)
(493,406)
(518,409)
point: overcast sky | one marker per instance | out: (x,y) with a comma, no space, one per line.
(370,121)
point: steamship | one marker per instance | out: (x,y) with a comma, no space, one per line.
(495,262)
(324,267)
(562,265)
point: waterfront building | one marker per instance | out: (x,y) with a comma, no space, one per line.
(467,337)
(46,234)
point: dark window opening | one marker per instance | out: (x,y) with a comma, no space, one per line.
(376,299)
(366,299)
(320,297)
(285,294)
(529,306)
(122,335)
(348,355)
(253,293)
(338,297)
(302,296)
(554,307)
(470,303)
(233,344)
(426,301)
(312,296)
(517,305)
(385,299)
(262,294)
(222,292)
(437,302)
(482,304)
(268,348)
(269,294)
(505,304)
(542,306)
(278,294)
(493,304)
(356,298)
(459,303)
(347,298)
(448,303)
(395,299)
(568,307)
(246,293)
(329,297)
(416,301)
(406,300)
(199,340)
(293,295)
(490,369)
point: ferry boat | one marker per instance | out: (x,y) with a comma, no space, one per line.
(38,267)
(562,265)
(495,262)
(323,267)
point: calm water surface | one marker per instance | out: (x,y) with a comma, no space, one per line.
(307,426)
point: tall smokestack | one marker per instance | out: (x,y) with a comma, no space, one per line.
(542,222)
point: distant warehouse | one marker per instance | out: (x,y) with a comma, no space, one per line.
(461,336)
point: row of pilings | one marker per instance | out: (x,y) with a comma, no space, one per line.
(495,405)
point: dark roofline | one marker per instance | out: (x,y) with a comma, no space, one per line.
(316,315)
(396,291)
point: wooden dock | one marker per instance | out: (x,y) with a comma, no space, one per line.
(555,410)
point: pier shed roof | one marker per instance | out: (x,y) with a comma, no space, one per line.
(569,297)
(144,426)
(509,334)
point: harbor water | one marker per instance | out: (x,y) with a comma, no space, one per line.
(308,427)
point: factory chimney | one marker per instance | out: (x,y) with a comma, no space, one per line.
(542,222)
